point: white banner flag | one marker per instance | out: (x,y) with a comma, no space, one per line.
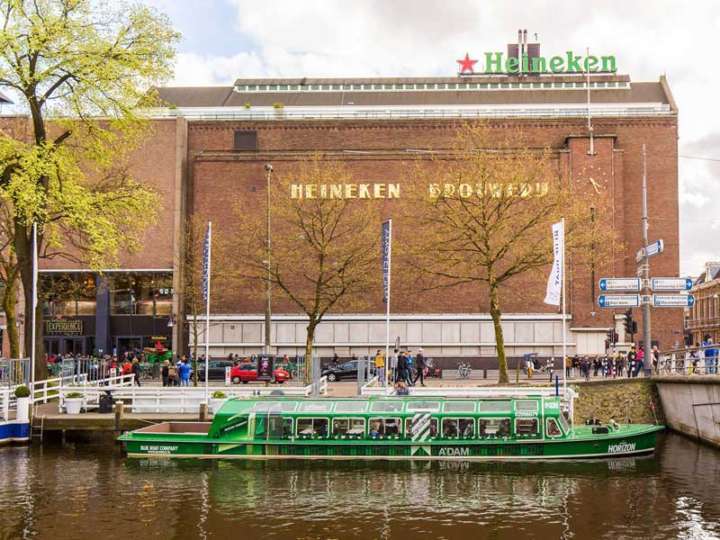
(554,284)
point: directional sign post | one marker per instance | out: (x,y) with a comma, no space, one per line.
(670,284)
(620,284)
(655,248)
(619,300)
(673,300)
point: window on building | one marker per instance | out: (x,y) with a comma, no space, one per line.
(141,294)
(67,294)
(245,140)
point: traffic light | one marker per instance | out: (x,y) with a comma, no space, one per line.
(630,325)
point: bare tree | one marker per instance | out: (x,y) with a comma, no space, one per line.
(481,215)
(324,249)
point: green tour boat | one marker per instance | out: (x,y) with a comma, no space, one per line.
(512,428)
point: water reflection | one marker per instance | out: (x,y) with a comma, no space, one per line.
(71,492)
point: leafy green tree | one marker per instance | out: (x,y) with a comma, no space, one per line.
(81,70)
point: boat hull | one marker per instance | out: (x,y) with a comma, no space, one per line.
(582,447)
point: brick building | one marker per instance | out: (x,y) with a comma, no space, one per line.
(208,152)
(703,319)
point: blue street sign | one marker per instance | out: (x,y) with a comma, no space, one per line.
(618,300)
(671,284)
(619,284)
(673,300)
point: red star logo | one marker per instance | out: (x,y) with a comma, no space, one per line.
(466,65)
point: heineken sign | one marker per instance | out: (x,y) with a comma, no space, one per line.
(500,63)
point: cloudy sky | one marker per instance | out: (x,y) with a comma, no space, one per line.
(226,39)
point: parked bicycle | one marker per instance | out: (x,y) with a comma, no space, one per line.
(464,370)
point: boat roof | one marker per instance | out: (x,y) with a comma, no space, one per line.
(377,404)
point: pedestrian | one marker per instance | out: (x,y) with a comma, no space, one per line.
(420,366)
(173,379)
(184,372)
(165,373)
(640,360)
(136,371)
(401,368)
(711,358)
(393,365)
(380,366)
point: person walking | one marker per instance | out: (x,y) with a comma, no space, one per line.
(184,372)
(393,366)
(380,366)
(173,379)
(136,371)
(420,366)
(401,368)
(165,373)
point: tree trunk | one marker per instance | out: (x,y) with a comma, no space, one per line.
(8,306)
(309,351)
(499,339)
(23,251)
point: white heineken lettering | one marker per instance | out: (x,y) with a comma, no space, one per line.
(621,448)
(450,451)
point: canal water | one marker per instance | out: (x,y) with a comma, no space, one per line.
(92,492)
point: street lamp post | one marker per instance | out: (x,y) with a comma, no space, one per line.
(268,304)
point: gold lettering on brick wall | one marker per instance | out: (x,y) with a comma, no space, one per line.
(345,191)
(494,190)
(523,190)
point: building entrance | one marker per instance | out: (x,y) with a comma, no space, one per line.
(67,345)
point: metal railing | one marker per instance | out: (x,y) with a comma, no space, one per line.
(349,112)
(180,399)
(5,404)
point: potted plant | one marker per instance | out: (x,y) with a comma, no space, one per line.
(217,398)
(73,402)
(22,396)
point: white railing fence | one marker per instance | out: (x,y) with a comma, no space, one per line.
(4,404)
(179,399)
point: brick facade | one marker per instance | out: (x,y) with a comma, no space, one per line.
(222,180)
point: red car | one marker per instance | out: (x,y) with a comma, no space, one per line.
(244,373)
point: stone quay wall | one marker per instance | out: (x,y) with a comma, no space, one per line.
(625,400)
(692,405)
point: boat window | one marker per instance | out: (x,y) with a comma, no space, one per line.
(526,407)
(552,429)
(386,406)
(496,405)
(420,427)
(260,427)
(459,406)
(348,426)
(564,423)
(279,427)
(415,406)
(494,427)
(312,427)
(273,406)
(453,428)
(315,406)
(351,406)
(526,427)
(384,427)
